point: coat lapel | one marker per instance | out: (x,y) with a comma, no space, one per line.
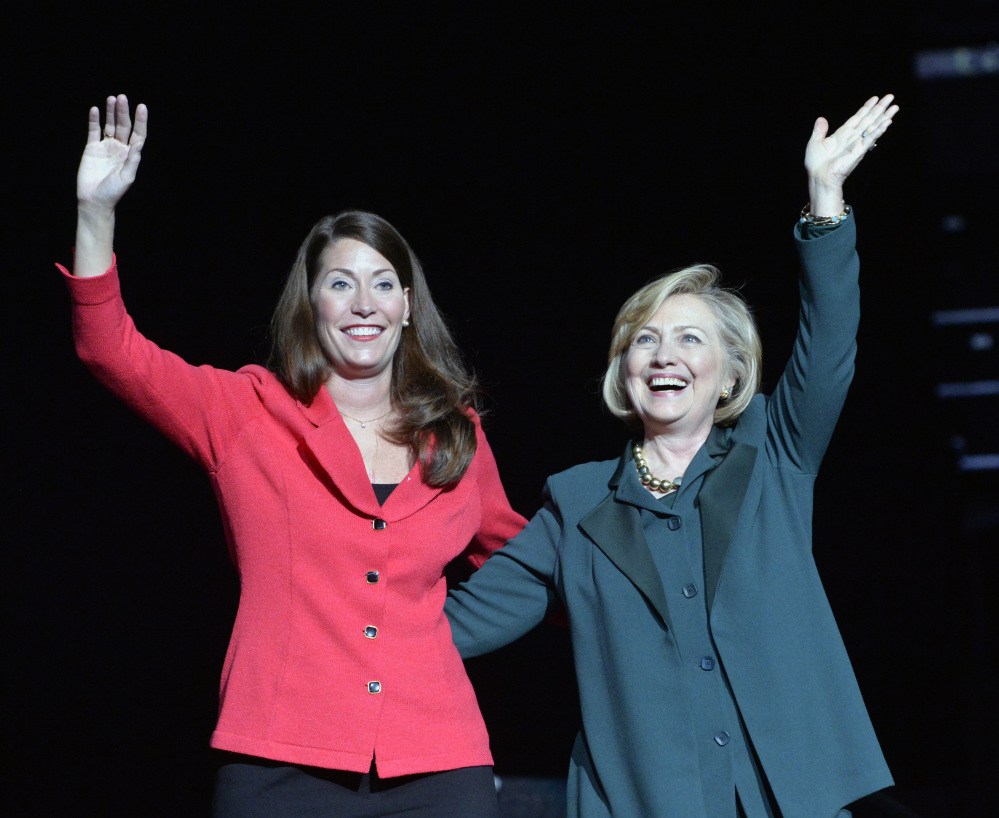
(615,524)
(332,449)
(720,499)
(616,528)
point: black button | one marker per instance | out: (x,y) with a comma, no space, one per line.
(371,631)
(371,577)
(690,590)
(707,663)
(722,738)
(376,687)
(673,523)
(378,524)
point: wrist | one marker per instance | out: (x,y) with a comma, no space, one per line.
(815,220)
(824,200)
(92,212)
(94,240)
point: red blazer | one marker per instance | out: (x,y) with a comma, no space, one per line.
(306,679)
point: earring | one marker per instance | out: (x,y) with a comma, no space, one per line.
(405,322)
(726,393)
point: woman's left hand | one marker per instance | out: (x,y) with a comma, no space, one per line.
(831,158)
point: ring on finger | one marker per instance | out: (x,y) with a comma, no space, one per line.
(863,134)
(108,135)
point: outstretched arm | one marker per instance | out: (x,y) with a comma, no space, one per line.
(512,592)
(107,170)
(831,158)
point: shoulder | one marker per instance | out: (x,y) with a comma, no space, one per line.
(585,478)
(575,492)
(263,379)
(257,373)
(751,425)
(265,385)
(480,433)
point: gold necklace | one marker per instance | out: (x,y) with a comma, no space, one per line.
(654,483)
(364,423)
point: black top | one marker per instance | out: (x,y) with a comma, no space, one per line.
(382,491)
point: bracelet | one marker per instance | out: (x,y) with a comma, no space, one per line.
(823,221)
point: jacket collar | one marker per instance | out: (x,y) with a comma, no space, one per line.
(616,529)
(331,450)
(720,498)
(615,525)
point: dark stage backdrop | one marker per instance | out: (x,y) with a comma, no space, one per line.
(544,160)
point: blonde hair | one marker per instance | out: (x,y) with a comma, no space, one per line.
(739,336)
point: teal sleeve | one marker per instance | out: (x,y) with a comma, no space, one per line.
(512,592)
(807,230)
(804,407)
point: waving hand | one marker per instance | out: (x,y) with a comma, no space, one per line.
(107,170)
(111,157)
(831,157)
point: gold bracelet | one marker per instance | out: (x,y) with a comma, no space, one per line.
(823,221)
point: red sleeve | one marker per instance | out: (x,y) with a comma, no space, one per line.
(499,521)
(200,409)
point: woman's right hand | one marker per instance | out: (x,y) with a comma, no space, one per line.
(111,157)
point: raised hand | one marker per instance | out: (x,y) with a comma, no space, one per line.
(111,157)
(831,158)
(107,170)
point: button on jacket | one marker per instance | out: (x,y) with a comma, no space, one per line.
(340,649)
(645,746)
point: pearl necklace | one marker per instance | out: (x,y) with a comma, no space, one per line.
(654,483)
(364,423)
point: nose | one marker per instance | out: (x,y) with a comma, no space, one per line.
(363,304)
(664,354)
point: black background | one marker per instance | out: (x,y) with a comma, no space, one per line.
(544,160)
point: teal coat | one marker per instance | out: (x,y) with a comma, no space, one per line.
(773,631)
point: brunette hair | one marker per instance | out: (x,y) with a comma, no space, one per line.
(432,390)
(739,336)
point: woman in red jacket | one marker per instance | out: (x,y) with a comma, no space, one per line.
(348,472)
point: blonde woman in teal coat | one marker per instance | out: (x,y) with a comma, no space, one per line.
(712,677)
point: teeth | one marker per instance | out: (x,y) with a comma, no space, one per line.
(364,331)
(662,382)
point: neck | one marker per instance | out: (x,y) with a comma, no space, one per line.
(669,455)
(361,397)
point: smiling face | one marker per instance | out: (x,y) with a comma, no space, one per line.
(675,369)
(359,306)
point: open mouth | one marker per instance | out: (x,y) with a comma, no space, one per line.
(363,333)
(662,383)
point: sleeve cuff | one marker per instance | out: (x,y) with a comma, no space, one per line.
(93,289)
(806,233)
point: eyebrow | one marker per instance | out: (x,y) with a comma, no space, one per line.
(681,328)
(348,271)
